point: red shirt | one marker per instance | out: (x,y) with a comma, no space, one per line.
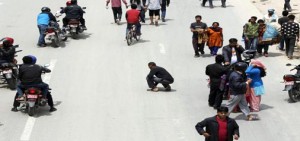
(222,129)
(133,16)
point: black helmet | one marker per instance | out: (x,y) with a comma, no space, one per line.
(45,9)
(240,66)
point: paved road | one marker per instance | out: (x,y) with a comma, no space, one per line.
(99,82)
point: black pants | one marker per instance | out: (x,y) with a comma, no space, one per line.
(215,95)
(261,47)
(66,21)
(204,1)
(49,97)
(287,5)
(223,3)
(290,45)
(198,47)
(117,11)
(153,82)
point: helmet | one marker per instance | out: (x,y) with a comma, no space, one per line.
(68,3)
(73,1)
(7,41)
(45,9)
(240,66)
(33,59)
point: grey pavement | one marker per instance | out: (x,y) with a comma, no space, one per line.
(99,84)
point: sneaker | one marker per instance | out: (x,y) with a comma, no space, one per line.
(168,88)
(202,52)
(84,27)
(14,109)
(154,89)
(197,55)
(163,20)
(52,109)
(42,45)
(118,21)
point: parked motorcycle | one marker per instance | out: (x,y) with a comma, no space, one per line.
(9,72)
(292,84)
(54,34)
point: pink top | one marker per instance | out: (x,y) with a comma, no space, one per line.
(116,3)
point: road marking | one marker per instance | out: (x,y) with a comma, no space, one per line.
(31,120)
(162,48)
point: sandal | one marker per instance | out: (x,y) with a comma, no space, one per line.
(252,117)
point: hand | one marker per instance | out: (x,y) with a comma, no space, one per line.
(106,7)
(206,135)
(227,63)
(237,45)
(236,137)
(249,80)
(126,6)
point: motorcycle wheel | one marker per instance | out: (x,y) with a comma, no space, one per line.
(73,35)
(294,96)
(31,111)
(55,41)
(129,38)
(12,83)
(137,38)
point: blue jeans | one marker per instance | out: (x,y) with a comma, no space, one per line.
(138,28)
(252,43)
(214,50)
(43,86)
(163,13)
(42,30)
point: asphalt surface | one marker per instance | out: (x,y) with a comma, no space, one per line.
(99,85)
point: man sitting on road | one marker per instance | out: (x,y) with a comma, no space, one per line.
(133,18)
(73,12)
(158,75)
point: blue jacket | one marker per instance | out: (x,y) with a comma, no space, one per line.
(254,74)
(44,18)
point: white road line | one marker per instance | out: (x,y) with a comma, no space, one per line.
(162,48)
(31,120)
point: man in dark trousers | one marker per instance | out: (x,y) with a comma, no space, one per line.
(164,5)
(73,12)
(198,28)
(290,32)
(219,127)
(233,52)
(215,72)
(210,3)
(282,20)
(158,75)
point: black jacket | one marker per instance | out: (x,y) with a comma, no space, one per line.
(227,53)
(160,73)
(215,71)
(7,54)
(73,12)
(212,128)
(31,74)
(237,83)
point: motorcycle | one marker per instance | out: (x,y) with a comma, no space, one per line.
(292,84)
(9,72)
(55,34)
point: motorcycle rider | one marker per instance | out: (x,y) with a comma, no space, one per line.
(7,52)
(133,18)
(43,21)
(73,11)
(30,76)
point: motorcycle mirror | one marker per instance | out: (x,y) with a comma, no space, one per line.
(15,46)
(83,7)
(288,64)
(47,65)
(61,7)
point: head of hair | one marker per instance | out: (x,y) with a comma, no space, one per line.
(151,64)
(216,23)
(233,40)
(222,109)
(260,21)
(254,17)
(219,59)
(263,72)
(198,16)
(291,17)
(27,60)
(285,13)
(133,6)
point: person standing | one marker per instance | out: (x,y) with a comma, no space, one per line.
(164,5)
(270,17)
(117,9)
(210,3)
(287,5)
(251,33)
(255,72)
(223,3)
(282,20)
(154,7)
(261,45)
(158,75)
(290,32)
(43,20)
(219,127)
(215,72)
(238,87)
(215,38)
(199,30)
(233,52)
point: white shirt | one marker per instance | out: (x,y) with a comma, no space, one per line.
(153,4)
(233,57)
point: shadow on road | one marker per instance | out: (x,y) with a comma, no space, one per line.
(265,107)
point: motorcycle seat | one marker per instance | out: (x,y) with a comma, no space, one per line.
(73,21)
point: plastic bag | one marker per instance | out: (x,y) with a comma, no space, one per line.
(270,33)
